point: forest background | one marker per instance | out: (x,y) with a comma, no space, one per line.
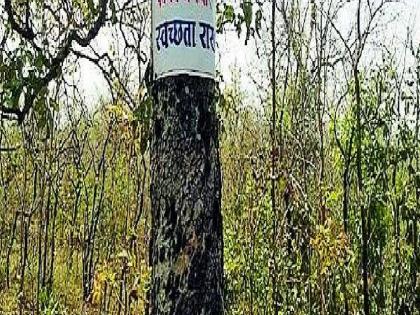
(321,187)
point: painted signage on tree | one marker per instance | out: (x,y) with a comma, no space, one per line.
(183,37)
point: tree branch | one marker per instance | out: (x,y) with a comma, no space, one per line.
(26,32)
(56,63)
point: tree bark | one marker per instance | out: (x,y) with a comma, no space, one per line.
(186,242)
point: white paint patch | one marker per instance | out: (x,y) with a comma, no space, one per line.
(183,37)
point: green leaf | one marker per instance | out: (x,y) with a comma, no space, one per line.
(229,14)
(225,16)
(91,6)
(258,21)
(113,11)
(247,10)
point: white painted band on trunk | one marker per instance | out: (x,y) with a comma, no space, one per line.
(183,38)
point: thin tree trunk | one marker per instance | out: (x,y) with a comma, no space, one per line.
(187,242)
(363,214)
(274,154)
(416,219)
(366,303)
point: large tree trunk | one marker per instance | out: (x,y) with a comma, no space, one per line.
(187,241)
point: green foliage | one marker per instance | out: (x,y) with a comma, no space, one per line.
(74,193)
(248,16)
